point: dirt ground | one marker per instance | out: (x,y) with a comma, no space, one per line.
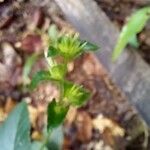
(107,121)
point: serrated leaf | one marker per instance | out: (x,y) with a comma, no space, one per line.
(89,47)
(52,51)
(38,77)
(28,66)
(69,46)
(56,114)
(14,132)
(74,94)
(58,72)
(135,24)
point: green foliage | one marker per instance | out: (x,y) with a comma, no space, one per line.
(14,132)
(67,48)
(58,72)
(134,41)
(89,46)
(28,66)
(53,33)
(135,25)
(52,51)
(38,77)
(74,94)
(56,114)
(56,139)
(70,47)
(37,146)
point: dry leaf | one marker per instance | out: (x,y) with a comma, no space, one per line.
(84,127)
(36,136)
(33,115)
(71,115)
(101,123)
(10,104)
(2,115)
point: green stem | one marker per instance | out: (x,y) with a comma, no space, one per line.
(47,138)
(61,90)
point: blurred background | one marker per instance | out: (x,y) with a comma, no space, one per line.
(108,121)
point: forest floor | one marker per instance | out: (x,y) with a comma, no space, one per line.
(107,121)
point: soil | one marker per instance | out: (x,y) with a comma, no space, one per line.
(107,121)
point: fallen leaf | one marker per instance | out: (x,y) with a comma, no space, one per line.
(31,43)
(2,115)
(84,126)
(10,104)
(71,115)
(33,115)
(101,123)
(36,136)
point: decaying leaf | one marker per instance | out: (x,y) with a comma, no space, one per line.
(71,115)
(37,136)
(84,127)
(2,115)
(101,123)
(31,43)
(10,104)
(33,114)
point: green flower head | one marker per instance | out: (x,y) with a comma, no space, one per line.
(70,46)
(75,94)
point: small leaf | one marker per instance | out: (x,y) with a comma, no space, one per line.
(31,43)
(56,139)
(52,51)
(135,24)
(53,33)
(134,41)
(90,46)
(14,132)
(56,114)
(28,66)
(69,46)
(58,72)
(75,94)
(38,77)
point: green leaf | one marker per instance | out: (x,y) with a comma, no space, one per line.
(134,41)
(52,51)
(56,139)
(28,66)
(69,46)
(90,47)
(75,94)
(56,114)
(53,33)
(135,24)
(38,77)
(58,72)
(37,146)
(15,131)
